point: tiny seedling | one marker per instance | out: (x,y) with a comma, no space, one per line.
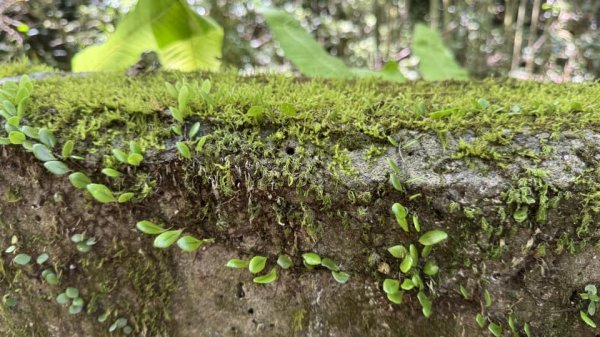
(71,297)
(312,260)
(590,295)
(50,276)
(101,193)
(83,245)
(166,238)
(121,324)
(22,259)
(9,301)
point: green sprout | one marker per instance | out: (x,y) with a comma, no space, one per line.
(166,238)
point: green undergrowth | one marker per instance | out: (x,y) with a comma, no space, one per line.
(21,66)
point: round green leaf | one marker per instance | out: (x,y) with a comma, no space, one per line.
(57,167)
(406,264)
(166,239)
(42,152)
(127,330)
(148,227)
(189,243)
(433,237)
(120,155)
(75,309)
(47,137)
(268,278)
(285,262)
(101,193)
(134,159)
(257,264)
(78,302)
(22,259)
(417,281)
(340,276)
(9,301)
(407,284)
(391,286)
(311,259)
(16,137)
(51,278)
(30,132)
(237,263)
(396,297)
(83,247)
(79,180)
(72,292)
(398,251)
(62,298)
(430,268)
(42,258)
(77,238)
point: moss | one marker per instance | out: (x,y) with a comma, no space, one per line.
(298,321)
(280,160)
(22,66)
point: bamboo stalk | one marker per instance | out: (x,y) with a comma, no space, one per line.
(535,16)
(516,55)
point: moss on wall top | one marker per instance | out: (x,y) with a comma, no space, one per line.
(97,107)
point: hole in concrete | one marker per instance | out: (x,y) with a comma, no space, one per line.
(251,311)
(290,150)
(38,218)
(240,290)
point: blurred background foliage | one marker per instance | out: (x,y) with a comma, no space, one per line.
(554,40)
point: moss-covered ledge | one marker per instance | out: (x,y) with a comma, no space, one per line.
(510,170)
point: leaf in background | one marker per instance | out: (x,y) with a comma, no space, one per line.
(436,61)
(182,39)
(302,49)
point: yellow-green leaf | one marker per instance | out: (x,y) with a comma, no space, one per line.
(166,239)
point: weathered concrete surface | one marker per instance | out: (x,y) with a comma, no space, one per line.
(533,269)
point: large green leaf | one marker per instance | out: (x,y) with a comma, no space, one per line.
(436,61)
(310,58)
(182,39)
(301,49)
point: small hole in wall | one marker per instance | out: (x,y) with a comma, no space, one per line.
(290,150)
(251,311)
(38,218)
(574,296)
(240,290)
